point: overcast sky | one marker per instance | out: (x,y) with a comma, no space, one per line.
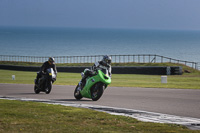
(133,14)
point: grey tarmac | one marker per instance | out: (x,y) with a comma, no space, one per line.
(173,102)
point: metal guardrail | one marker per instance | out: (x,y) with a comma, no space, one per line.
(140,58)
(198,66)
(149,70)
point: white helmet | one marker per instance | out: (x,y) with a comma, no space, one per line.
(107,59)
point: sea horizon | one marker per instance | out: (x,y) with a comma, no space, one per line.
(58,41)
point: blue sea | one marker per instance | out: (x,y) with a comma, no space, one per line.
(27,41)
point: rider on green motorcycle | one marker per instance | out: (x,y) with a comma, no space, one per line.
(105,63)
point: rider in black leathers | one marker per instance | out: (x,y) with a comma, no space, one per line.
(48,64)
(104,63)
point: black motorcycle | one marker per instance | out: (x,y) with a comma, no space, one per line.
(45,82)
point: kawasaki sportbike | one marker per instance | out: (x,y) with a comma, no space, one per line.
(45,82)
(94,86)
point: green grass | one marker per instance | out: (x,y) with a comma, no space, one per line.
(189,80)
(39,117)
(18,116)
(186,81)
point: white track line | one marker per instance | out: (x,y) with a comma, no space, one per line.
(192,123)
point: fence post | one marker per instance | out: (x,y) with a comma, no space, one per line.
(149,58)
(138,58)
(143,58)
(197,66)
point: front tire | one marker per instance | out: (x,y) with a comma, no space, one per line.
(36,90)
(49,86)
(77,93)
(97,91)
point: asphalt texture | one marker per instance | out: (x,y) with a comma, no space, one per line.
(179,102)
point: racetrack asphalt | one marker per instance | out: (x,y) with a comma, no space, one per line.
(179,102)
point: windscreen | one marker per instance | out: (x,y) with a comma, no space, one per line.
(50,70)
(105,71)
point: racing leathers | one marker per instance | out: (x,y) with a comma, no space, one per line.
(46,65)
(91,72)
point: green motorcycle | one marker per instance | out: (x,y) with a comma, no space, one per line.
(94,86)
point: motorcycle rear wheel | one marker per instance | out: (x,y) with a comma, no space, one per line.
(97,91)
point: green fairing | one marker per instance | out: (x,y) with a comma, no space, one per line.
(93,80)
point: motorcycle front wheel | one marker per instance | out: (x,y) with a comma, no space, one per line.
(36,90)
(77,94)
(97,91)
(49,86)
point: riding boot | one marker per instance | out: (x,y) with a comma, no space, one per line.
(81,83)
(36,81)
(79,86)
(39,75)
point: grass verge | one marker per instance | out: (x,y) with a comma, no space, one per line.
(19,116)
(186,81)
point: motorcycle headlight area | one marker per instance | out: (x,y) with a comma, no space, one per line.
(106,76)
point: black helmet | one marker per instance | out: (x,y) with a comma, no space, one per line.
(51,60)
(107,59)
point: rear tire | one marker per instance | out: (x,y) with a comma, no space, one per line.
(97,91)
(49,86)
(36,90)
(77,93)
